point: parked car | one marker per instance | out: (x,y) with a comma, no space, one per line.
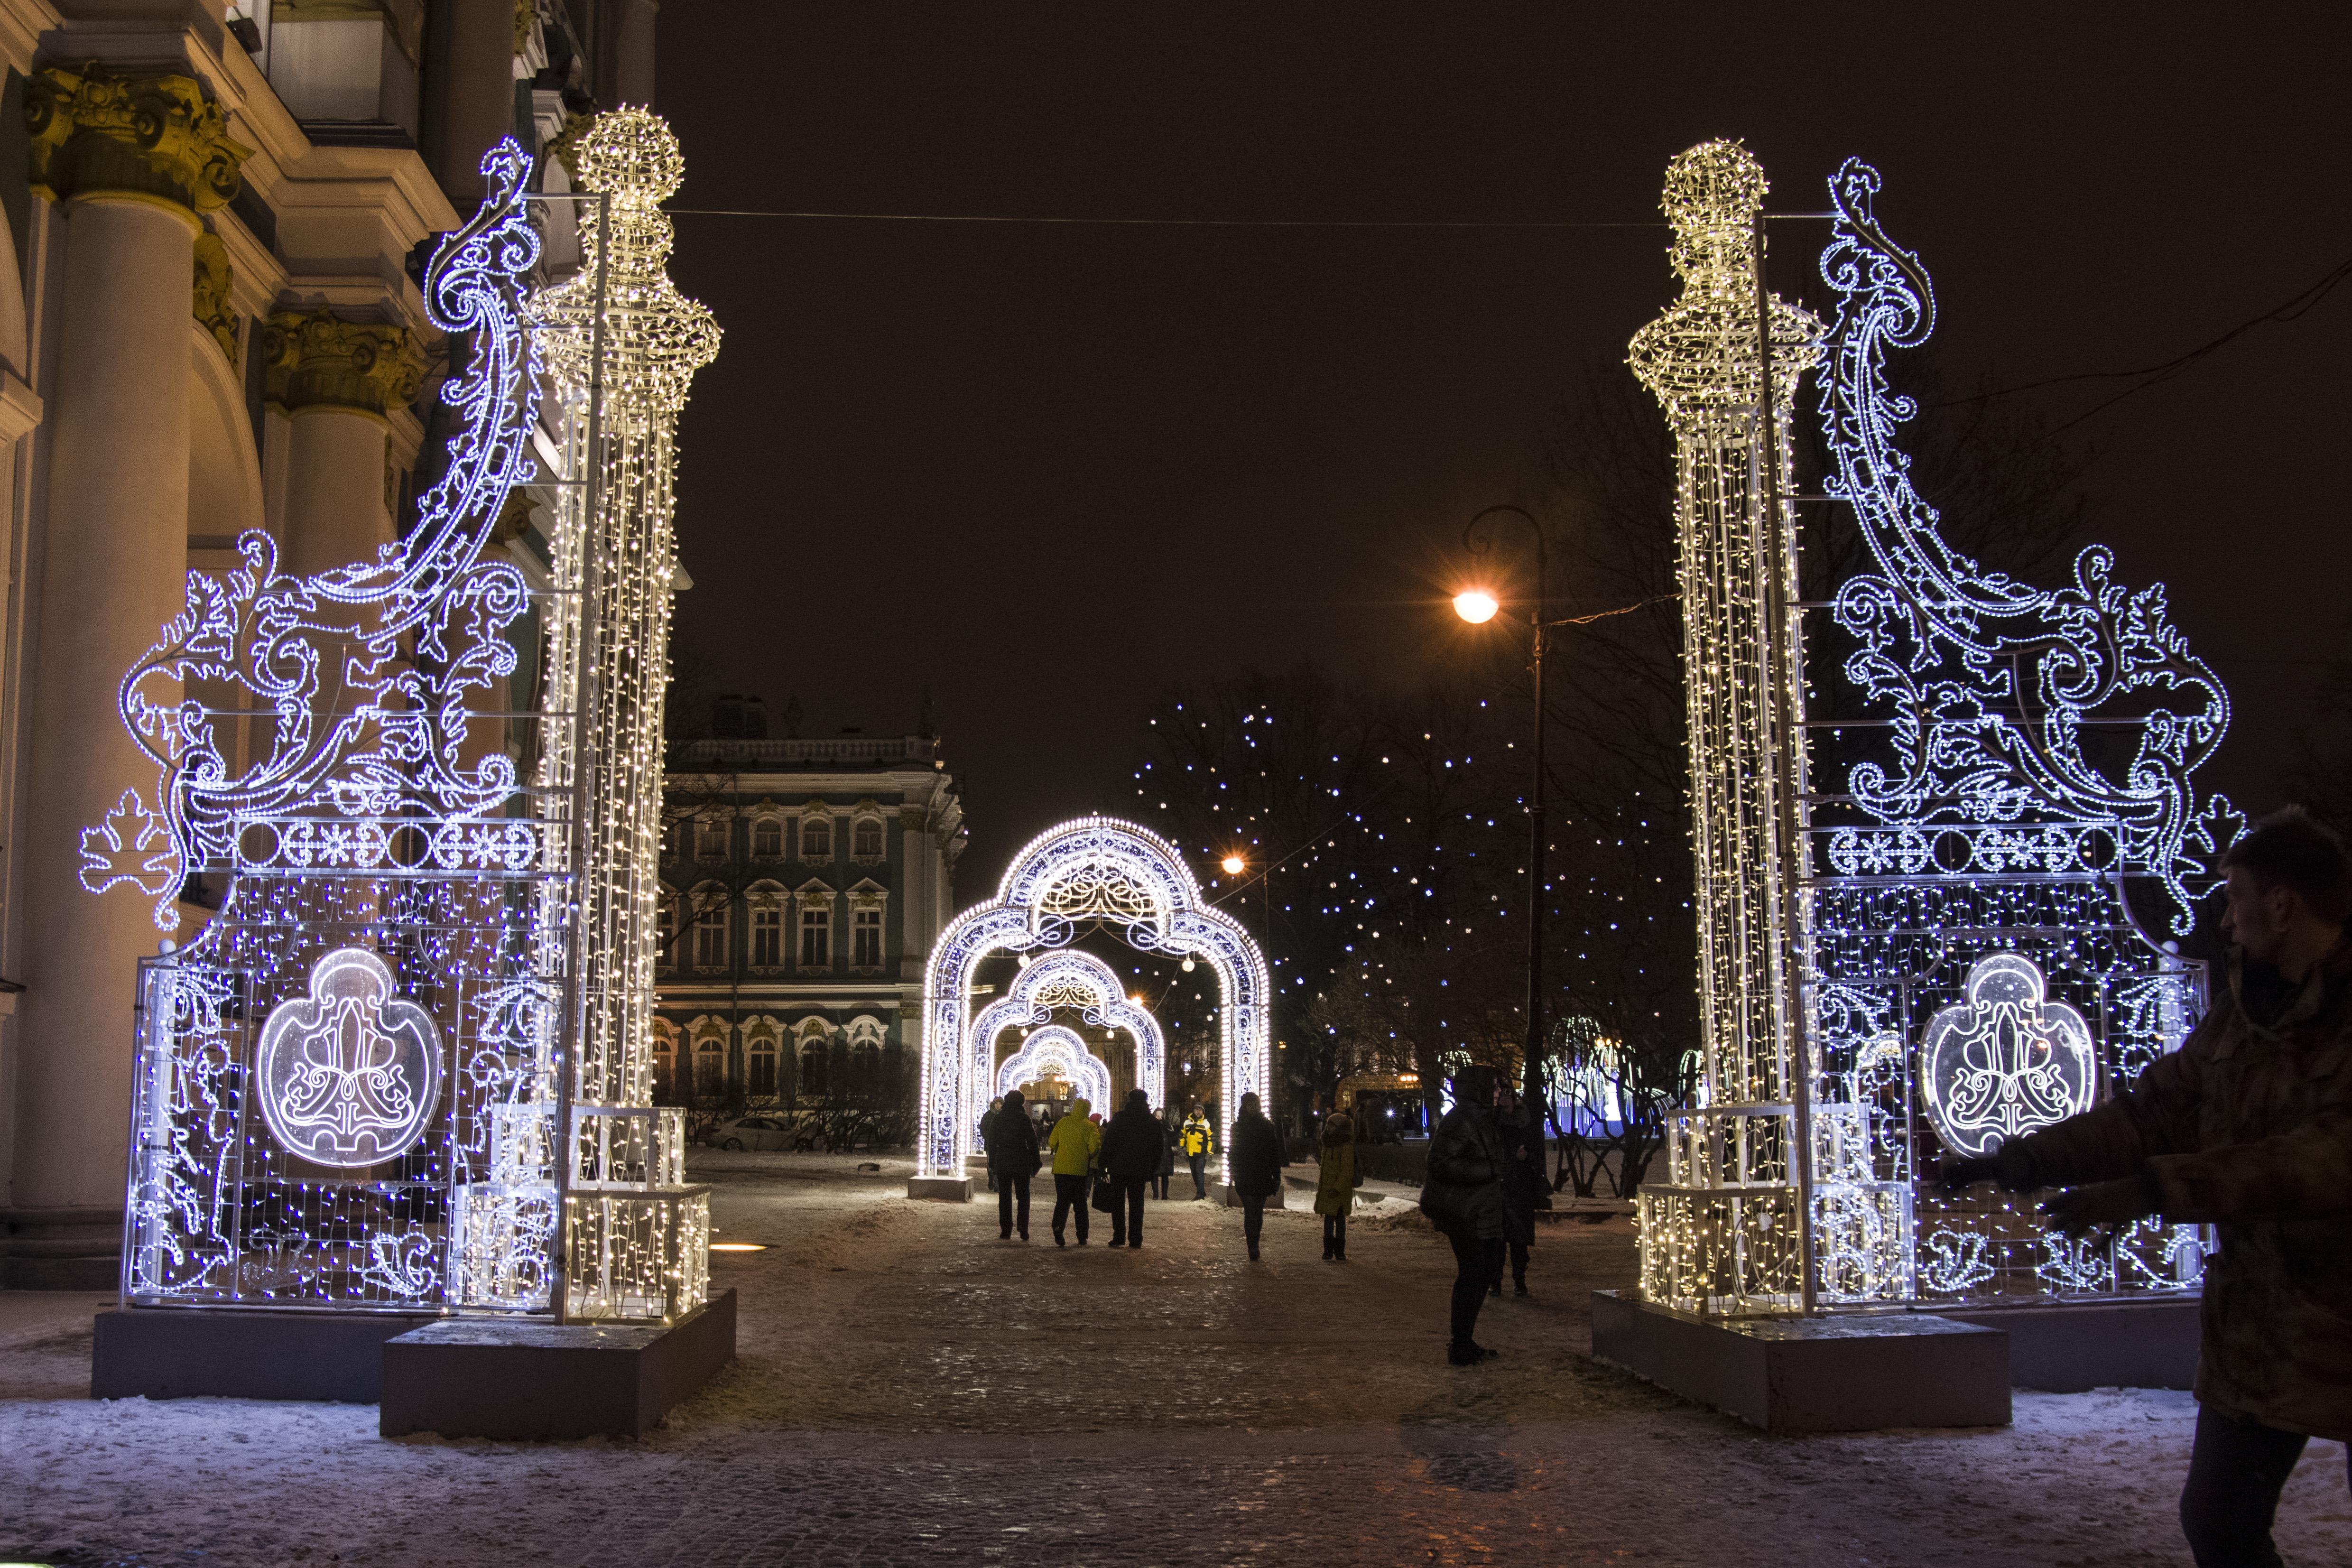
(759,1131)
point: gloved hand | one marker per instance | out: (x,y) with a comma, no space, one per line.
(1959,1174)
(2081,1210)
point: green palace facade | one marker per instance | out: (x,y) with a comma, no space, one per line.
(803,883)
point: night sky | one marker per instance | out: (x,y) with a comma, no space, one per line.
(1045,470)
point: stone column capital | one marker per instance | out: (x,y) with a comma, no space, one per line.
(315,359)
(94,131)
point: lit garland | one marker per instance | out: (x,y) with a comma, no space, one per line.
(1092,870)
(1722,1232)
(1072,977)
(1053,1049)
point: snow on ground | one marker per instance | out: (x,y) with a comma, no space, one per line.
(910,1389)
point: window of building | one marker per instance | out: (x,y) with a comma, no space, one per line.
(816,1043)
(865,939)
(665,1059)
(666,931)
(816,936)
(711,1065)
(710,838)
(816,839)
(768,937)
(768,838)
(866,838)
(711,937)
(764,1064)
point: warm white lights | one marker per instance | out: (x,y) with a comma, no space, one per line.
(1231,865)
(1475,605)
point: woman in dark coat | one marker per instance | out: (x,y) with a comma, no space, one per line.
(1254,1150)
(1130,1156)
(1167,1152)
(1525,1190)
(1012,1155)
(1463,1199)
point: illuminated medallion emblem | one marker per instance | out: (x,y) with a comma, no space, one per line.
(349,1074)
(2006,1061)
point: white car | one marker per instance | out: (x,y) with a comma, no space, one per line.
(758,1131)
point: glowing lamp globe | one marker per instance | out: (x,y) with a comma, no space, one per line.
(1233,865)
(1475,605)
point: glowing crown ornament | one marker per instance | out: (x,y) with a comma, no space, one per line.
(2007,1061)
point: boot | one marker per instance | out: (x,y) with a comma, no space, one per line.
(1520,1286)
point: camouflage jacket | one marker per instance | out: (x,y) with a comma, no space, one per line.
(2248,1127)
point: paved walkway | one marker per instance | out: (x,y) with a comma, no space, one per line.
(912,1390)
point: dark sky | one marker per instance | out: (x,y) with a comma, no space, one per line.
(1045,470)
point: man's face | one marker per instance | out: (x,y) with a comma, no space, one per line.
(2256,918)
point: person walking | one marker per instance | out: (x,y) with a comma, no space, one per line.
(1335,1187)
(1196,1149)
(1524,1192)
(1169,1139)
(1463,1199)
(1254,1149)
(1012,1159)
(1131,1149)
(1075,1142)
(993,1107)
(2247,1127)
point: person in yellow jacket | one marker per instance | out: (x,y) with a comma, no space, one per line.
(1075,1142)
(1193,1140)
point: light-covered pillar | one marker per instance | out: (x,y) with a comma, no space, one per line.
(338,381)
(1723,1232)
(131,160)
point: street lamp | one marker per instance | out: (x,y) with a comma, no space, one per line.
(1477,606)
(1231,864)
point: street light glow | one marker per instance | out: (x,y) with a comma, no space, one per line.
(1233,865)
(1475,605)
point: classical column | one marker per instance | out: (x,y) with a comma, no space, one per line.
(131,160)
(337,381)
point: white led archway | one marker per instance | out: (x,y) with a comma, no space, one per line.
(1055,1048)
(1093,869)
(1070,977)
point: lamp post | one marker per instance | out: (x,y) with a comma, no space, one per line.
(1477,606)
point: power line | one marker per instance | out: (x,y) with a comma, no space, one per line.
(1152,222)
(2293,309)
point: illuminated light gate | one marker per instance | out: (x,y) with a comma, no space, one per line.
(1945,953)
(1093,871)
(1056,1049)
(1072,977)
(348,1088)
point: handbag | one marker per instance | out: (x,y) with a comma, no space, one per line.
(1106,1196)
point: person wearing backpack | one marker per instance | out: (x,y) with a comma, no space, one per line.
(1463,1199)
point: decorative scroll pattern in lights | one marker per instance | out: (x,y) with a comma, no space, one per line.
(1056,1049)
(1994,683)
(350,1074)
(2007,1061)
(1158,909)
(1980,898)
(1073,977)
(1722,1232)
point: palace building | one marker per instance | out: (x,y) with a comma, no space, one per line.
(217,218)
(803,882)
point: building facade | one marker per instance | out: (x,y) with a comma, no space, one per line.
(803,881)
(211,325)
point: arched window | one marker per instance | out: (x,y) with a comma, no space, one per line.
(768,838)
(815,1040)
(710,837)
(760,1043)
(711,1064)
(816,839)
(866,839)
(710,927)
(665,1059)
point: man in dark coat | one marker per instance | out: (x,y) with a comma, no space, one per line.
(1012,1156)
(1463,1199)
(2248,1128)
(1525,1190)
(1132,1145)
(1255,1153)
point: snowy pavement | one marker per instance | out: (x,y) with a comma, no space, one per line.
(911,1390)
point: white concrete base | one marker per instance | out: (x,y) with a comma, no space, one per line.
(942,1189)
(1853,1372)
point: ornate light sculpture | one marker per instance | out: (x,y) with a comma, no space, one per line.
(1952,957)
(347,1089)
(1092,871)
(1055,1048)
(1979,967)
(1072,977)
(1723,1233)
